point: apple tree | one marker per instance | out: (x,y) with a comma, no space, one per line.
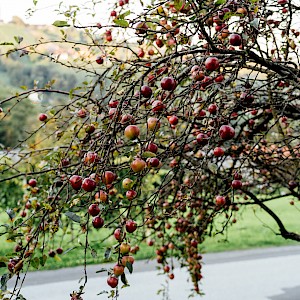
(189,110)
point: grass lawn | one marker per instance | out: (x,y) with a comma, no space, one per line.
(253,229)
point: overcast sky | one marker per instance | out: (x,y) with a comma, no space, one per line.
(45,10)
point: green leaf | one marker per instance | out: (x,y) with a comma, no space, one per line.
(254,23)
(3,281)
(61,24)
(35,2)
(213,168)
(107,253)
(129,267)
(18,39)
(147,154)
(220,2)
(73,216)
(35,262)
(178,4)
(122,23)
(3,259)
(123,279)
(2,264)
(43,260)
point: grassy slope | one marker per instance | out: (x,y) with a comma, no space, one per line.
(252,230)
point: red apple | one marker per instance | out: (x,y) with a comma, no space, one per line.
(158,106)
(146,91)
(101,195)
(127,258)
(138,165)
(168,83)
(118,270)
(218,151)
(226,132)
(109,177)
(173,120)
(88,184)
(118,234)
(43,117)
(202,139)
(94,210)
(220,200)
(99,60)
(76,182)
(97,222)
(112,281)
(236,184)
(131,194)
(153,162)
(132,132)
(152,147)
(235,39)
(32,182)
(131,226)
(212,109)
(212,63)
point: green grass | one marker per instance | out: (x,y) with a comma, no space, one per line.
(253,229)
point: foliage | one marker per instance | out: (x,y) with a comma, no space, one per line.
(189,111)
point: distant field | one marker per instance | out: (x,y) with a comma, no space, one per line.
(250,231)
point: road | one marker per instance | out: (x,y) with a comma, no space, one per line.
(259,274)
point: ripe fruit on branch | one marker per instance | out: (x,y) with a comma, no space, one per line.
(32,182)
(168,83)
(138,165)
(127,184)
(97,222)
(118,234)
(101,195)
(124,248)
(236,184)
(212,108)
(153,123)
(153,162)
(131,226)
(88,184)
(59,250)
(173,120)
(109,177)
(235,39)
(218,151)
(158,106)
(146,91)
(202,139)
(141,28)
(220,200)
(132,132)
(226,132)
(94,210)
(112,281)
(99,60)
(152,147)
(43,117)
(76,182)
(90,158)
(127,258)
(212,63)
(118,269)
(131,194)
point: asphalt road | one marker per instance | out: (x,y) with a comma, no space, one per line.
(260,274)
